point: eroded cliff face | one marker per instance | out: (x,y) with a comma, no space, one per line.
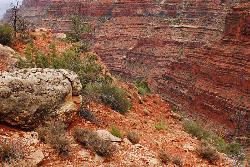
(195,53)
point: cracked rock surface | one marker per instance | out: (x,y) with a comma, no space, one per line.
(31,96)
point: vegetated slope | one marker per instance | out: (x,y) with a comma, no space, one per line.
(195,53)
(150,117)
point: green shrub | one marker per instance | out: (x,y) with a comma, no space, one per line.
(195,129)
(142,87)
(116,132)
(133,137)
(97,85)
(161,126)
(209,153)
(92,141)
(88,70)
(78,28)
(6,34)
(164,157)
(116,98)
(231,149)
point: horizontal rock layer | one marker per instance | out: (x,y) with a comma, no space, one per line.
(194,52)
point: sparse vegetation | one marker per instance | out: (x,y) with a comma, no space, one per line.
(116,132)
(78,27)
(86,67)
(88,115)
(164,157)
(116,98)
(10,151)
(177,161)
(231,149)
(161,126)
(195,129)
(54,133)
(6,34)
(97,84)
(207,152)
(92,141)
(143,87)
(133,137)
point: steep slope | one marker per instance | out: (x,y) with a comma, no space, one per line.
(195,53)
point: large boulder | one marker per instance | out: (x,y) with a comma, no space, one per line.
(7,58)
(31,96)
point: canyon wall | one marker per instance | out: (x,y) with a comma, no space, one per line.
(196,53)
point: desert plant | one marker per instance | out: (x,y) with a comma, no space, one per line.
(6,34)
(88,115)
(61,144)
(232,149)
(133,137)
(84,136)
(54,133)
(9,151)
(116,98)
(208,152)
(161,126)
(142,86)
(103,147)
(177,161)
(195,129)
(164,157)
(92,141)
(78,27)
(116,132)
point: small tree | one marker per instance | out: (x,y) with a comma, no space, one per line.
(78,27)
(6,34)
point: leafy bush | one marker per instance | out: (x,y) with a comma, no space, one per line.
(209,153)
(161,126)
(116,98)
(10,151)
(97,84)
(93,142)
(116,132)
(6,34)
(133,137)
(86,67)
(54,133)
(142,87)
(164,157)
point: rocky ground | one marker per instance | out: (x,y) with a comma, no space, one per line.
(146,113)
(142,119)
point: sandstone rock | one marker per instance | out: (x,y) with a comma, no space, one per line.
(60,35)
(188,147)
(31,96)
(7,58)
(126,141)
(35,158)
(106,135)
(176,116)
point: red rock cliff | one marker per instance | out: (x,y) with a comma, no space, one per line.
(195,53)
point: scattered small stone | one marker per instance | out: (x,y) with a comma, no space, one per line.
(106,135)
